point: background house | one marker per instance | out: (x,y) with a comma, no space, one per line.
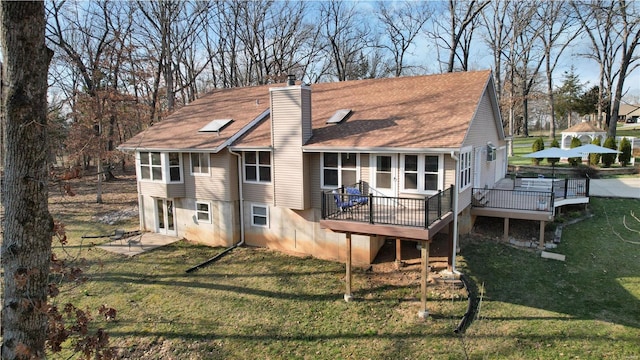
(255,163)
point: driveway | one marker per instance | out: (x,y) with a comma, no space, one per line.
(620,187)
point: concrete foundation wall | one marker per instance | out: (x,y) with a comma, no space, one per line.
(222,230)
(298,232)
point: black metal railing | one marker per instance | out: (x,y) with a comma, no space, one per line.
(513,199)
(534,194)
(347,204)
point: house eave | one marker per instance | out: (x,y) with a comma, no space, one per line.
(378,150)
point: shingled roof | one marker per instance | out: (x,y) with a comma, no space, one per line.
(432,111)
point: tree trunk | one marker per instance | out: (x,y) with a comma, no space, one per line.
(26,246)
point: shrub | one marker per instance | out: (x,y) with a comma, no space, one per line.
(574,161)
(625,152)
(537,145)
(608,159)
(553,161)
(594,159)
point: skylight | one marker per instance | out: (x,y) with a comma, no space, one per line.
(339,116)
(216,125)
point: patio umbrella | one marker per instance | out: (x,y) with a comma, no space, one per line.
(554,152)
(595,149)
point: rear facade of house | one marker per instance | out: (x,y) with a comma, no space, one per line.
(255,164)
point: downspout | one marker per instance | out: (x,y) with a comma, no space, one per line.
(241,193)
(227,250)
(455,212)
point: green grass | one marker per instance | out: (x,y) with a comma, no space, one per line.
(255,303)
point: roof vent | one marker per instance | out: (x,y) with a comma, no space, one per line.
(339,116)
(291,79)
(216,125)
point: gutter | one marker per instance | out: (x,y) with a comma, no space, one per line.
(227,250)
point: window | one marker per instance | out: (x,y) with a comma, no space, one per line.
(175,170)
(203,212)
(421,173)
(339,169)
(257,166)
(150,166)
(259,215)
(200,163)
(465,169)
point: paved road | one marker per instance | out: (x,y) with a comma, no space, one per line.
(619,187)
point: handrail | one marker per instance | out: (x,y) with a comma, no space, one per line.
(421,212)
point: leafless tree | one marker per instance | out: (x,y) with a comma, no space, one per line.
(347,36)
(455,36)
(402,23)
(558,30)
(613,30)
(27,225)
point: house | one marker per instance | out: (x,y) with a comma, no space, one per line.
(629,113)
(267,164)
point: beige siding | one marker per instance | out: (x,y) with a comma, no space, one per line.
(287,139)
(314,180)
(482,130)
(161,190)
(220,184)
(258,193)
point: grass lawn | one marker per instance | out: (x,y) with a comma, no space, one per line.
(522,145)
(255,303)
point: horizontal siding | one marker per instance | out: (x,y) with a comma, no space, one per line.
(220,185)
(483,126)
(287,136)
(258,193)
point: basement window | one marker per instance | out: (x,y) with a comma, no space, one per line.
(259,215)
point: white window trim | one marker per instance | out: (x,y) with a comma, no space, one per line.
(139,167)
(167,169)
(421,174)
(322,185)
(208,212)
(466,156)
(206,156)
(164,168)
(257,166)
(253,206)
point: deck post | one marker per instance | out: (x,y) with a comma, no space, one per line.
(398,252)
(451,252)
(505,236)
(424,250)
(347,295)
(541,244)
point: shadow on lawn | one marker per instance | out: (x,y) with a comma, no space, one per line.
(573,288)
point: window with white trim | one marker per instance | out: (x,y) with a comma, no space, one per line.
(260,215)
(465,170)
(150,166)
(199,163)
(339,169)
(175,167)
(203,212)
(421,173)
(257,166)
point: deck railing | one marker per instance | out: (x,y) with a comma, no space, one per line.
(343,204)
(533,194)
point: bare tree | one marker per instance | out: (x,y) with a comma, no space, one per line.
(613,30)
(455,36)
(402,23)
(557,32)
(347,36)
(27,225)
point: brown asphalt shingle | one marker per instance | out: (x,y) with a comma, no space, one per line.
(432,111)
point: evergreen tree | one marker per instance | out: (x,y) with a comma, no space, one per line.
(594,159)
(537,145)
(608,159)
(625,152)
(574,161)
(567,97)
